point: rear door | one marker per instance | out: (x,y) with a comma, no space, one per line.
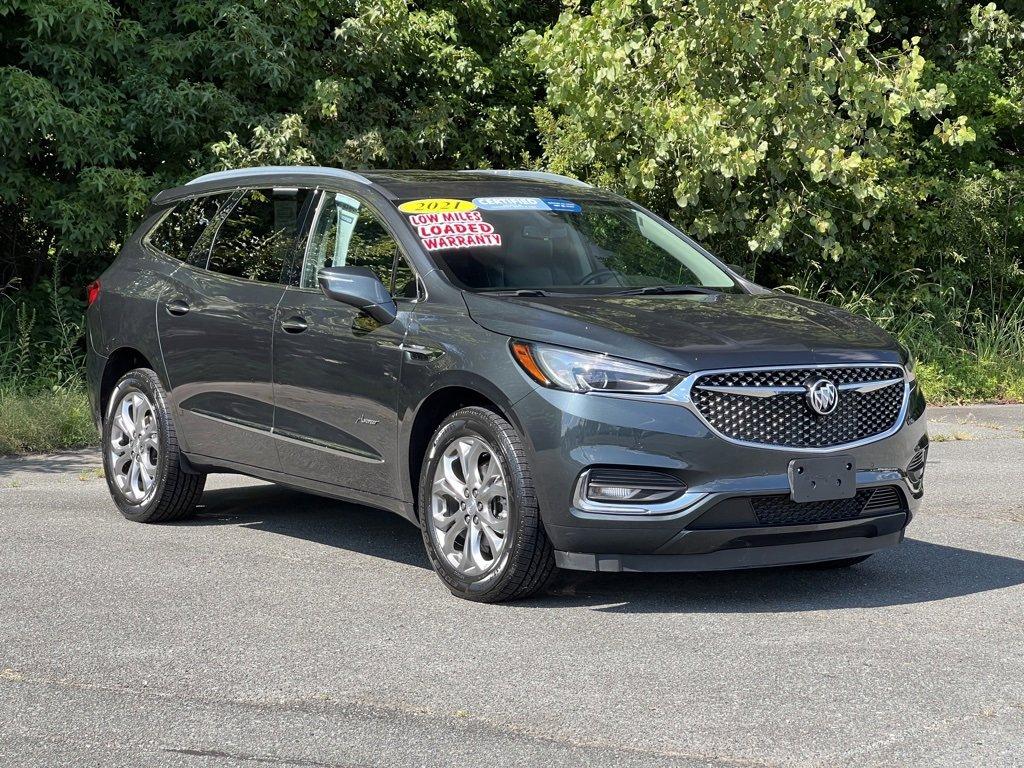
(337,370)
(216,327)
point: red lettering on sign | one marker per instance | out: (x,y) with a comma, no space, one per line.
(441,218)
(470,228)
(442,242)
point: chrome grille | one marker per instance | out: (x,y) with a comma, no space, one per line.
(769,407)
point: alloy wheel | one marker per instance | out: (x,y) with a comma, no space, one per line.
(469,506)
(134,446)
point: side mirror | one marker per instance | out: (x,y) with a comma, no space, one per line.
(360,288)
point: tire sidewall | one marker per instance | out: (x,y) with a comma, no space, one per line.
(469,425)
(138,380)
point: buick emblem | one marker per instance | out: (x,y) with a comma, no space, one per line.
(822,397)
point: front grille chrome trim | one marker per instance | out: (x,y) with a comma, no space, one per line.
(753,391)
(681,394)
(860,387)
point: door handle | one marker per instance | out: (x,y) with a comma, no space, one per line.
(294,325)
(178,307)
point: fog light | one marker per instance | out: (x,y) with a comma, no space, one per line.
(620,486)
(611,492)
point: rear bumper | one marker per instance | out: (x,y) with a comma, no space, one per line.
(735,549)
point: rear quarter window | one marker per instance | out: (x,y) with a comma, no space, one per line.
(179,230)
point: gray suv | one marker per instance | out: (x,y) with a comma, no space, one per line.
(537,373)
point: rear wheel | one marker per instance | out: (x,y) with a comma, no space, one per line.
(478,510)
(141,459)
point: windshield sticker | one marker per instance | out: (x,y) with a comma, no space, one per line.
(436,205)
(445,242)
(438,231)
(420,219)
(558,205)
(510,204)
(553,204)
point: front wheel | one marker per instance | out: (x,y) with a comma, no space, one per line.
(478,510)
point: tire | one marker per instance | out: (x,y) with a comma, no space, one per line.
(828,565)
(138,429)
(495,568)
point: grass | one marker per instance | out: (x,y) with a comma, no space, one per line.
(956,436)
(95,473)
(966,352)
(962,379)
(46,421)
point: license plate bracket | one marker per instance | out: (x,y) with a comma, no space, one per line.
(822,478)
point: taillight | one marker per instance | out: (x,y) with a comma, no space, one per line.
(92,292)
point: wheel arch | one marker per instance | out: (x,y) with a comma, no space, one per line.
(119,362)
(433,410)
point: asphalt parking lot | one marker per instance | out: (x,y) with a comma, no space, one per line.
(282,629)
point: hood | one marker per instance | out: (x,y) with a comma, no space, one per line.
(692,332)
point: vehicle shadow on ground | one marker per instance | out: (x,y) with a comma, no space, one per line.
(287,512)
(915,572)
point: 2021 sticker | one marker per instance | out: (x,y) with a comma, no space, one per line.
(436,205)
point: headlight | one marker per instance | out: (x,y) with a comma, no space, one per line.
(566,369)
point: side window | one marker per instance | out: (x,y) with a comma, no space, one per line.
(348,233)
(256,238)
(182,227)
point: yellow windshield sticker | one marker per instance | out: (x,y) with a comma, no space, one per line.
(436,205)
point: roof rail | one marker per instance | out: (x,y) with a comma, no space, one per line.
(533,176)
(280,170)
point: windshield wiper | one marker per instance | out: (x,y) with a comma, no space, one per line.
(663,290)
(517,292)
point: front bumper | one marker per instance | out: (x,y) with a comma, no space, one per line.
(569,433)
(733,559)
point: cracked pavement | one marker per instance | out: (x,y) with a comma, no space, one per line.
(282,629)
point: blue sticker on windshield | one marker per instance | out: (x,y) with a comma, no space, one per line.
(510,204)
(559,205)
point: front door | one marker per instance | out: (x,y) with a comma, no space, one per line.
(337,370)
(216,329)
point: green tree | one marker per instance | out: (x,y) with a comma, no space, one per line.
(103,103)
(771,125)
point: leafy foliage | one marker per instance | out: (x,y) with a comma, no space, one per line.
(841,146)
(102,104)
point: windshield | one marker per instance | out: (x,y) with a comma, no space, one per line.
(555,245)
